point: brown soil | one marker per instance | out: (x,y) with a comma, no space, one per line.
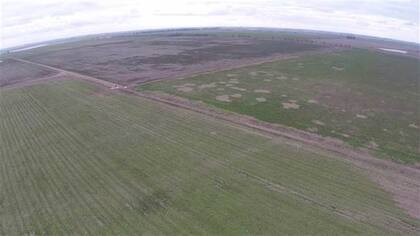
(361,116)
(317,122)
(261,91)
(282,77)
(204,86)
(312,101)
(291,104)
(239,89)
(185,89)
(223,98)
(337,68)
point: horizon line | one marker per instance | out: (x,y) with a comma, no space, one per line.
(150,30)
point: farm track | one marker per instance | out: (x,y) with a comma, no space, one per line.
(394,174)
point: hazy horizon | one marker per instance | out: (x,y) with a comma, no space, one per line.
(24,22)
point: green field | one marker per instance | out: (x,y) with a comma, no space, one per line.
(366,99)
(76,159)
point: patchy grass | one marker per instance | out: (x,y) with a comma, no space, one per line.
(73,162)
(148,56)
(360,96)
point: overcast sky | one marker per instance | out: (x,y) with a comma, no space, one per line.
(28,21)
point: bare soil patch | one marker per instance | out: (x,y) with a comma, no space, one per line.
(312,129)
(291,104)
(361,116)
(236,95)
(239,89)
(282,77)
(262,91)
(338,68)
(317,122)
(233,81)
(312,101)
(412,125)
(185,89)
(210,85)
(372,145)
(188,84)
(223,98)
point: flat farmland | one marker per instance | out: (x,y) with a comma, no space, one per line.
(128,59)
(79,159)
(15,72)
(367,99)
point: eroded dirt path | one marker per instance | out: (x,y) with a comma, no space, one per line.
(402,181)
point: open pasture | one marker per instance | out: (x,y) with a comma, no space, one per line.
(78,159)
(364,98)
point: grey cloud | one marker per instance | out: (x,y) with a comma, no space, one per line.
(26,21)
